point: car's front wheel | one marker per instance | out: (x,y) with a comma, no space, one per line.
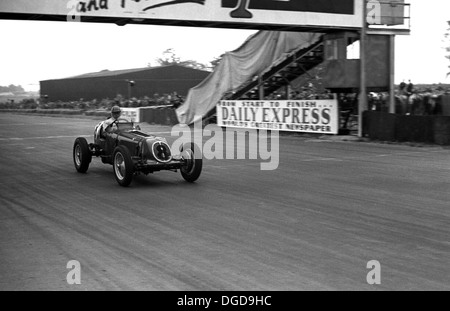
(123,166)
(192,167)
(82,156)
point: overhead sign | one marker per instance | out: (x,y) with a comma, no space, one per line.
(310,116)
(298,13)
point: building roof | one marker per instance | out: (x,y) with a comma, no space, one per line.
(108,73)
(112,73)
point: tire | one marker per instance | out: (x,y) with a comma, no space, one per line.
(82,156)
(193,168)
(123,166)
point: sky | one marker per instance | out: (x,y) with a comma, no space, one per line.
(32,51)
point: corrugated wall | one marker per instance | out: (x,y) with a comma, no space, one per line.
(160,80)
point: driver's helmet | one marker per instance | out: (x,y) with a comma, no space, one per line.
(115,112)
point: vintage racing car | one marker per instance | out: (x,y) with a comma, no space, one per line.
(131,151)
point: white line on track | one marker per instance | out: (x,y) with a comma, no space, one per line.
(32,124)
(42,137)
(64,179)
(61,136)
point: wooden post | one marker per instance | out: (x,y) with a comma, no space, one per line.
(260,88)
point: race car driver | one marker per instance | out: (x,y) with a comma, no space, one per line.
(109,125)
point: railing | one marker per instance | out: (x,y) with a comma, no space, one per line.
(389,14)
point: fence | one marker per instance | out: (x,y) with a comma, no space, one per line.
(402,128)
(163,115)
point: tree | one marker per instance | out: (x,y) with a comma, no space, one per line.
(12,88)
(215,62)
(170,57)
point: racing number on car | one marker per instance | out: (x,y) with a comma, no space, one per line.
(161,152)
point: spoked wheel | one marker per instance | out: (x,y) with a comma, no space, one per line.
(82,156)
(123,166)
(192,168)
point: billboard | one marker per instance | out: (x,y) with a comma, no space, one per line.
(296,13)
(310,116)
(132,114)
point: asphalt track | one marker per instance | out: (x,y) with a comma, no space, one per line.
(312,224)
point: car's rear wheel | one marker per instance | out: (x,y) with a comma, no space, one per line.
(192,168)
(123,166)
(82,156)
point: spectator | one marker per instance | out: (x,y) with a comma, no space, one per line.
(402,87)
(410,88)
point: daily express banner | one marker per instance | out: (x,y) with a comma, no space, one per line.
(311,116)
(325,13)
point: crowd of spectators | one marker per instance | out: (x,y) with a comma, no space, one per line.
(173,100)
(411,100)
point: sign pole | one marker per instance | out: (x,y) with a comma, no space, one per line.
(392,75)
(363,92)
